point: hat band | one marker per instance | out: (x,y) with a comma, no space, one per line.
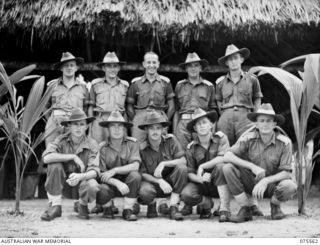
(268,112)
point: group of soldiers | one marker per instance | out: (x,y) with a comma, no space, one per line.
(224,144)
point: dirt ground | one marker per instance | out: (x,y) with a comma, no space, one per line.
(69,225)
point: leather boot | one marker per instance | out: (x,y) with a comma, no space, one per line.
(244,214)
(128,215)
(97,209)
(52,213)
(83,212)
(175,214)
(224,216)
(256,211)
(276,212)
(76,207)
(205,213)
(108,213)
(115,210)
(152,210)
(186,210)
(136,209)
(163,209)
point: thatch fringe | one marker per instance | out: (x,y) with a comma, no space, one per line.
(183,19)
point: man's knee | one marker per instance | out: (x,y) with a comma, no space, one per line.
(191,195)
(146,193)
(285,190)
(181,169)
(228,169)
(55,168)
(134,177)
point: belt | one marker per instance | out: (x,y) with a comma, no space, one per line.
(59,112)
(186,116)
(236,108)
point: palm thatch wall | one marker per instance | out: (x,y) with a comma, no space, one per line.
(177,20)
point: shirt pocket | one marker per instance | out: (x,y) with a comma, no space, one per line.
(143,98)
(245,95)
(159,97)
(226,95)
(203,97)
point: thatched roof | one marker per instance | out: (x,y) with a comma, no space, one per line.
(178,20)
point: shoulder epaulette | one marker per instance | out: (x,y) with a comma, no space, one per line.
(52,81)
(168,136)
(220,134)
(219,79)
(131,139)
(207,82)
(249,135)
(124,82)
(101,144)
(182,81)
(189,145)
(135,79)
(283,138)
(166,79)
(97,80)
(250,74)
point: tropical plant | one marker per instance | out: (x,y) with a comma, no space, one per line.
(304,94)
(18,120)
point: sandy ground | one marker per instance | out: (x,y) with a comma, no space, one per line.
(69,225)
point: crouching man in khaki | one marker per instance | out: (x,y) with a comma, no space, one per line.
(71,156)
(260,164)
(163,167)
(205,162)
(119,164)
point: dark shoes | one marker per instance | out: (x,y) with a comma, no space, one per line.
(97,209)
(136,209)
(128,215)
(76,206)
(108,213)
(224,216)
(256,211)
(186,210)
(52,213)
(83,212)
(244,214)
(276,212)
(163,209)
(205,213)
(175,214)
(152,210)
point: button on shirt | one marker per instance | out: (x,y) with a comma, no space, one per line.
(67,99)
(87,150)
(197,154)
(274,157)
(107,97)
(192,96)
(242,94)
(142,92)
(169,149)
(111,157)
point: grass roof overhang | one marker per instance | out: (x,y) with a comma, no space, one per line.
(179,20)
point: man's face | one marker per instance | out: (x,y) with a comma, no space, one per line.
(234,62)
(69,68)
(151,63)
(116,130)
(155,131)
(194,69)
(265,124)
(111,70)
(78,128)
(203,126)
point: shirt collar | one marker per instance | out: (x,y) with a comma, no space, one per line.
(117,79)
(76,82)
(229,77)
(144,78)
(273,139)
(83,145)
(197,141)
(200,81)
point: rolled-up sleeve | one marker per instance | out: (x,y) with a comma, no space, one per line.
(256,90)
(132,94)
(169,92)
(53,147)
(191,164)
(93,160)
(286,158)
(134,153)
(224,145)
(240,147)
(176,147)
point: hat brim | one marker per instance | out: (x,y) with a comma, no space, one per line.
(101,64)
(143,126)
(212,115)
(88,119)
(105,124)
(78,60)
(252,116)
(245,52)
(203,63)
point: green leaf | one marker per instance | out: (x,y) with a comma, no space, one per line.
(19,74)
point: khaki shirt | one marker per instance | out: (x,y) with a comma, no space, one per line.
(69,98)
(111,158)
(197,155)
(106,97)
(143,93)
(242,94)
(190,97)
(275,157)
(87,151)
(169,149)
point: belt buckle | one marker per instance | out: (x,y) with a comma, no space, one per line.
(235,108)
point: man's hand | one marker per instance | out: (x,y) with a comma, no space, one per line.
(107,175)
(122,188)
(200,171)
(158,171)
(165,187)
(75,178)
(260,188)
(260,173)
(79,162)
(206,177)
